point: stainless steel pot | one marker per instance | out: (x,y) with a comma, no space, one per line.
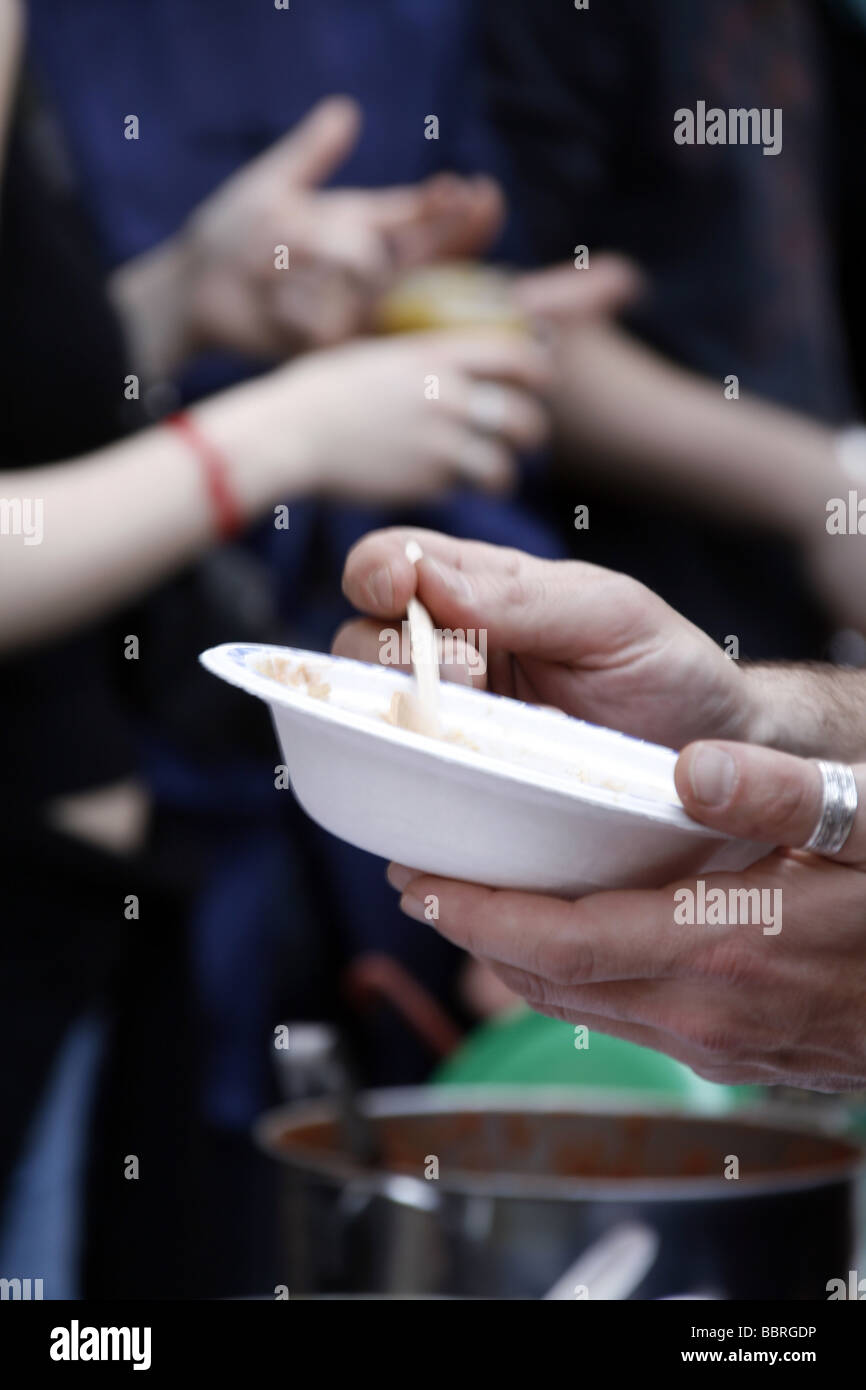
(529,1178)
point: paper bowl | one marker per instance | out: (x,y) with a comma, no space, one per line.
(529,798)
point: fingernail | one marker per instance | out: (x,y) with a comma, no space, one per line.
(712,776)
(398,876)
(453,579)
(413,907)
(380,587)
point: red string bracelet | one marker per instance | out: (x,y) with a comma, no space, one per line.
(227,511)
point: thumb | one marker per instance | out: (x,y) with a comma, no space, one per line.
(315,147)
(548,609)
(561,294)
(759,794)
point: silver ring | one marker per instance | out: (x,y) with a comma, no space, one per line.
(487,407)
(838,809)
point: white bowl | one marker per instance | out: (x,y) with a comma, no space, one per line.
(529,798)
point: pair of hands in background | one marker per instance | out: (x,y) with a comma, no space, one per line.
(346,246)
(734,1004)
(368,432)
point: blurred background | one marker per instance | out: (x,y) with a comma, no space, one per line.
(703,309)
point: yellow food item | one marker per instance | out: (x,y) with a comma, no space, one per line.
(455,295)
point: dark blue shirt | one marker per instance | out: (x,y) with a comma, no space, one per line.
(214,82)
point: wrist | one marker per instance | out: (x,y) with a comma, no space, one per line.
(300,451)
(764,715)
(228,515)
(790,710)
(153,294)
(265,449)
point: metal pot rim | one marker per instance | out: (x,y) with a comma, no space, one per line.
(436,1100)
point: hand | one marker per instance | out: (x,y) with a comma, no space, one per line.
(344,246)
(482,993)
(774,1001)
(563,296)
(591,642)
(373,434)
(356,423)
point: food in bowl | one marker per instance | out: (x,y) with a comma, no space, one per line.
(512,795)
(403,713)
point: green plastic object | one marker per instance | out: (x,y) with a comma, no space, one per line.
(522,1048)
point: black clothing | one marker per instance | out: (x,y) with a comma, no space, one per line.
(62,724)
(739,246)
(72,715)
(62,368)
